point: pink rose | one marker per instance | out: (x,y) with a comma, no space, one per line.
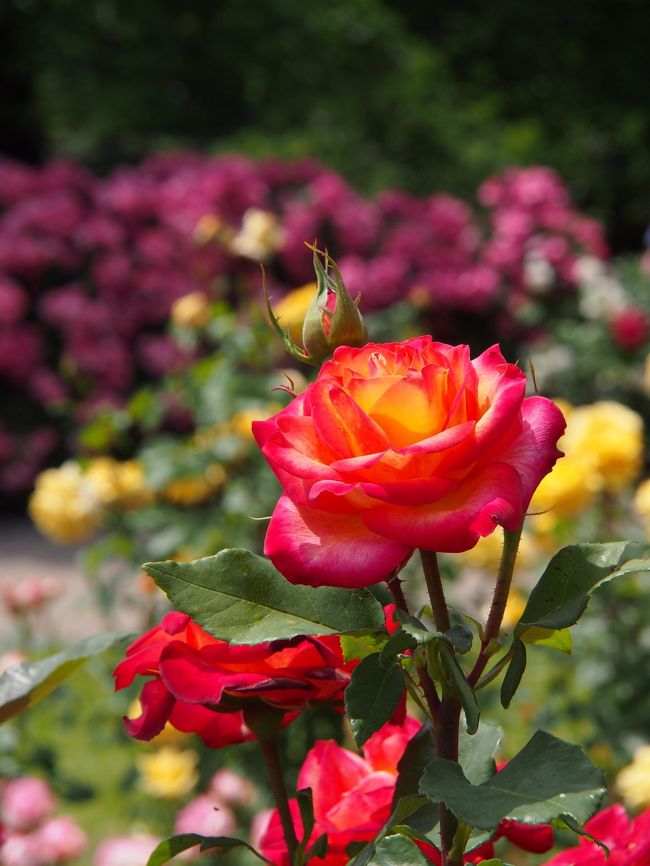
(61,839)
(125,850)
(205,816)
(25,803)
(398,446)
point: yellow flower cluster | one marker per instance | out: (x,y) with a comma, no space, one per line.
(633,782)
(168,772)
(260,235)
(65,506)
(603,447)
(69,504)
(195,489)
(119,482)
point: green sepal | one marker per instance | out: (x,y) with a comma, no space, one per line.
(514,673)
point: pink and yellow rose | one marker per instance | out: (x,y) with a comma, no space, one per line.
(397,446)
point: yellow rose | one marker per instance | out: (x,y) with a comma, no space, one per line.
(194,489)
(568,489)
(65,506)
(191,311)
(168,772)
(119,482)
(633,782)
(609,438)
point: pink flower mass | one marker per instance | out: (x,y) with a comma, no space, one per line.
(398,446)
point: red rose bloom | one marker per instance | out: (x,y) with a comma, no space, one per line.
(398,446)
(353,796)
(201,684)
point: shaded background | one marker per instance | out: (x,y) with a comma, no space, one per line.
(428,97)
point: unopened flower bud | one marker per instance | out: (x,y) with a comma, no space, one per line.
(333,318)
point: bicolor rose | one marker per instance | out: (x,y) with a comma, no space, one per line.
(202,684)
(397,446)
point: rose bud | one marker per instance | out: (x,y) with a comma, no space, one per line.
(333,318)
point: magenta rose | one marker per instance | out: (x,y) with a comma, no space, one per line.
(398,446)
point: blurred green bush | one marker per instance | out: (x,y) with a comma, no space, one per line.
(423,96)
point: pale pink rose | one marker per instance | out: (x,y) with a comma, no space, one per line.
(21,850)
(61,839)
(25,803)
(125,850)
(205,816)
(231,788)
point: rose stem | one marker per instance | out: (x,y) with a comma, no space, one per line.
(499,601)
(279,791)
(448,718)
(427,684)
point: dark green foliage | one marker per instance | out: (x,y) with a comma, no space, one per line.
(426,96)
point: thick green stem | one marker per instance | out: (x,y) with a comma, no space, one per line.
(499,601)
(279,791)
(447,720)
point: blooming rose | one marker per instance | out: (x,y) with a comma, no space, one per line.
(192,669)
(353,796)
(398,446)
(628,841)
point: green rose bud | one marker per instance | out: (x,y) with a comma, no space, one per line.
(332,320)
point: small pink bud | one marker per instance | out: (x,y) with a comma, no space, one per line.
(61,839)
(232,789)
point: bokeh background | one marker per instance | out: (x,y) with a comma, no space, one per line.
(479,172)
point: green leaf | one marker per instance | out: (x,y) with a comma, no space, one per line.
(412,625)
(240,597)
(175,845)
(28,683)
(395,645)
(373,696)
(514,673)
(567,822)
(319,848)
(463,689)
(548,778)
(358,647)
(476,756)
(558,639)
(397,851)
(461,637)
(562,593)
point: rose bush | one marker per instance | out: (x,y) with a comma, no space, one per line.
(193,673)
(398,446)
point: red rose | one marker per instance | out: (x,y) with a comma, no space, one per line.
(628,841)
(191,670)
(352,793)
(398,446)
(353,796)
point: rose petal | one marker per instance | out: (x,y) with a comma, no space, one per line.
(486,499)
(534,452)
(193,679)
(157,704)
(316,547)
